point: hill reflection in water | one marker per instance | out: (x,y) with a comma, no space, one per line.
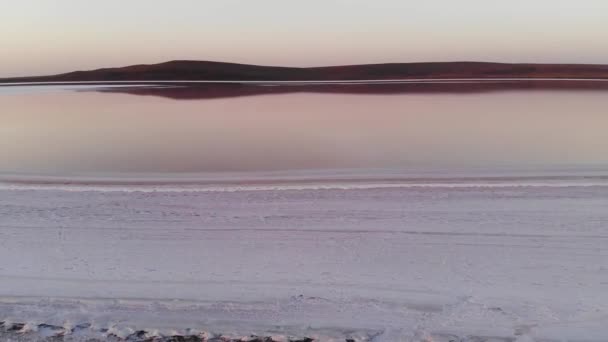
(180,91)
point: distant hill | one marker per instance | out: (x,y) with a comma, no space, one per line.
(204,70)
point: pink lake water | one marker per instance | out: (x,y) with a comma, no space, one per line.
(84,129)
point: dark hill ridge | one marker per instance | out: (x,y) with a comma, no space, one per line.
(204,70)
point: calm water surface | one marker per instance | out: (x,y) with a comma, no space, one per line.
(80,130)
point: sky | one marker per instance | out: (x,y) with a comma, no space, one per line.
(47,37)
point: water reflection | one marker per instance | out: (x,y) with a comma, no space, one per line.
(223,90)
(67,131)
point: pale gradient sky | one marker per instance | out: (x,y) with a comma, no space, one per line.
(45,37)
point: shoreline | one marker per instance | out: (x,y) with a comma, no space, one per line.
(316,179)
(311,82)
(303,181)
